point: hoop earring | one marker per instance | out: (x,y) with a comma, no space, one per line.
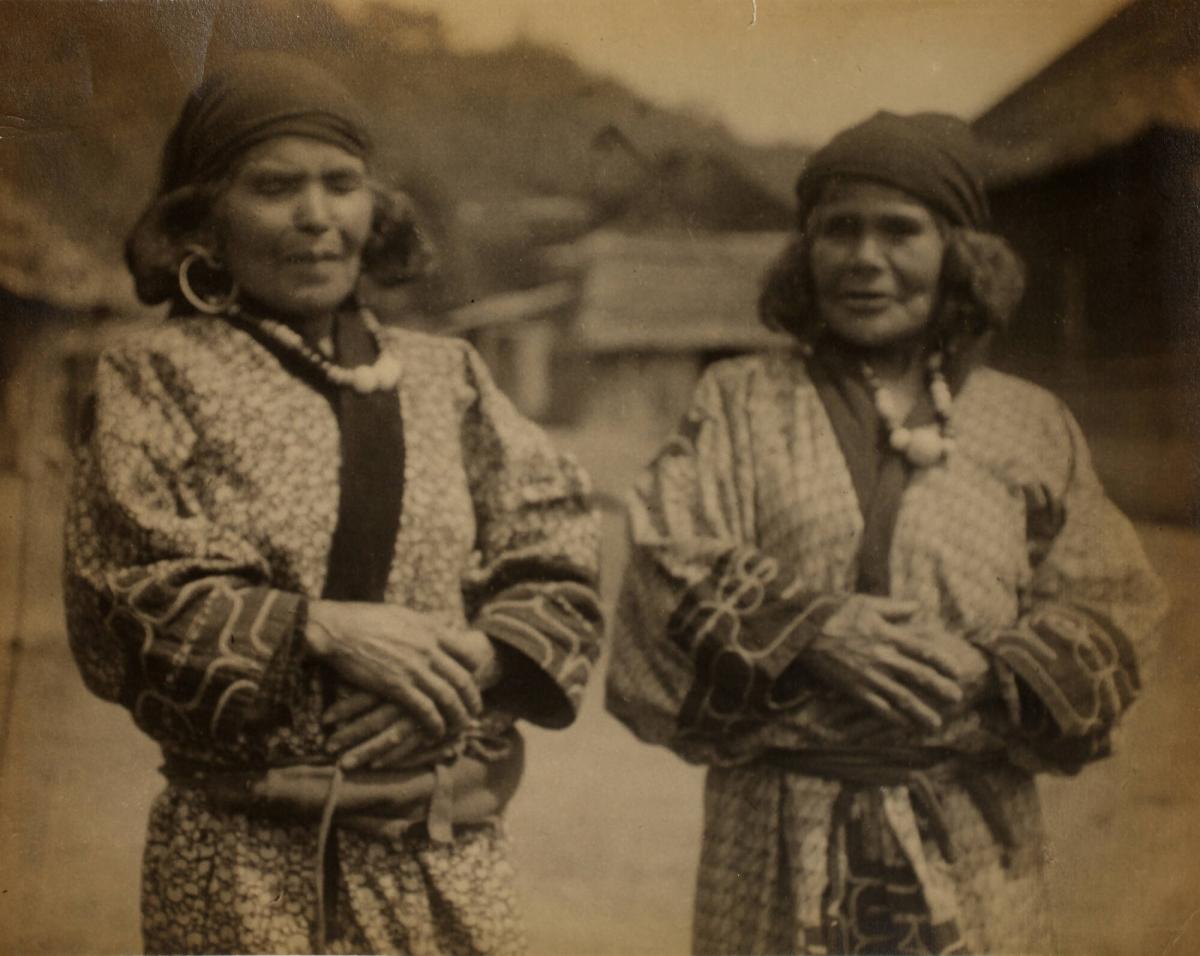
(222,306)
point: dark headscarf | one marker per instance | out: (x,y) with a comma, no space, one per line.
(250,99)
(254,97)
(932,156)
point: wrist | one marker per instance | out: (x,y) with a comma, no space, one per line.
(319,636)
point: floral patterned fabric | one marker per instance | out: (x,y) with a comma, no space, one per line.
(205,499)
(747,523)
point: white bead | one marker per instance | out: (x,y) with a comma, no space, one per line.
(384,374)
(366,379)
(926,447)
(900,438)
(884,404)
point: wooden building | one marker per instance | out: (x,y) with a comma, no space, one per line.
(1096,180)
(654,309)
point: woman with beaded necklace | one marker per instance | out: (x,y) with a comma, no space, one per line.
(877,587)
(326,565)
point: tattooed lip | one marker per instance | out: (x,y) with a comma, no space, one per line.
(865,300)
(308,258)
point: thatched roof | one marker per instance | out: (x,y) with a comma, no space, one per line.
(41,262)
(673,291)
(1139,70)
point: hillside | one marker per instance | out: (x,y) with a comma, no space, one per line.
(88,91)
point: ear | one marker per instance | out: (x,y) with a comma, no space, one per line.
(986,271)
(159,240)
(397,250)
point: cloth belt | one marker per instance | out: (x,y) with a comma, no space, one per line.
(469,784)
(915,768)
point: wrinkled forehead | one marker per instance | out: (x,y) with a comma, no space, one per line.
(853,194)
(300,154)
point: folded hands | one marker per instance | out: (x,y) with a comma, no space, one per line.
(420,680)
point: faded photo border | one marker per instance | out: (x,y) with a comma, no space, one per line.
(605,184)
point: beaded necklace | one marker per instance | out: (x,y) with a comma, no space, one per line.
(381,376)
(929,444)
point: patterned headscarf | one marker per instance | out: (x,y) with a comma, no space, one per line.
(252,98)
(932,156)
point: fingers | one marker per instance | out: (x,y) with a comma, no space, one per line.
(442,697)
(933,646)
(880,706)
(401,737)
(918,675)
(898,700)
(890,609)
(397,756)
(470,648)
(461,679)
(363,727)
(349,707)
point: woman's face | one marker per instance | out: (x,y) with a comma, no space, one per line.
(876,259)
(293,222)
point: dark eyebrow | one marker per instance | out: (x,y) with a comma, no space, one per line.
(271,171)
(905,220)
(343,172)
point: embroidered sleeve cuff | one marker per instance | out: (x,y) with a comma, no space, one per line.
(744,627)
(548,634)
(1066,675)
(207,658)
(280,679)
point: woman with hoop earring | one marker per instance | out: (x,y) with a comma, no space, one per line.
(325,564)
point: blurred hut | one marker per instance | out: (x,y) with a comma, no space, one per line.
(1097,181)
(665,283)
(654,309)
(54,291)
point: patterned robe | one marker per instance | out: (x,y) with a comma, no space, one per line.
(746,532)
(204,503)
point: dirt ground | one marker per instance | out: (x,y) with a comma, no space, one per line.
(606,829)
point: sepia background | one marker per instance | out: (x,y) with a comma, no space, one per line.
(606,182)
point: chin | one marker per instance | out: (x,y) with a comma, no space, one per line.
(876,334)
(312,305)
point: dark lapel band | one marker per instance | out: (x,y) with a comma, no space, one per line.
(372,475)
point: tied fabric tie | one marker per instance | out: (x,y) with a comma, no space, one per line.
(854,917)
(322,875)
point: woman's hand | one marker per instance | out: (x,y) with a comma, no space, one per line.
(371,732)
(478,653)
(959,659)
(870,651)
(404,657)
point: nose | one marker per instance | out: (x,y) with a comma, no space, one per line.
(867,251)
(313,210)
